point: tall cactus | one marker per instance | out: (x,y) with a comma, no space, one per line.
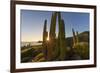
(61,37)
(77,39)
(74,38)
(52,37)
(45,35)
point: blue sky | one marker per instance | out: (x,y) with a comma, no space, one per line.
(32,23)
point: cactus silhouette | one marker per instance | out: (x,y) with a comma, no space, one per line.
(56,47)
(75,38)
(52,37)
(45,35)
(61,37)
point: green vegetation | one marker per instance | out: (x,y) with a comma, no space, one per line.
(82,49)
(39,58)
(61,37)
(29,53)
(52,38)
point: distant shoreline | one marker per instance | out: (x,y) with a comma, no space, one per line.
(30,43)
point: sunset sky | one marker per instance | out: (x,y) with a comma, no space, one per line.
(32,23)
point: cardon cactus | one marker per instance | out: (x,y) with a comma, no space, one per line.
(45,35)
(61,37)
(52,37)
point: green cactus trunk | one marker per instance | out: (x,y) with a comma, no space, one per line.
(45,35)
(74,38)
(77,39)
(52,37)
(61,38)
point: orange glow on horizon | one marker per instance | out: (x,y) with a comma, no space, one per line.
(31,38)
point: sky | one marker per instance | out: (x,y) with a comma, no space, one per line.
(32,23)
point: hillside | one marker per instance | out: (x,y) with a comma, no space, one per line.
(83,37)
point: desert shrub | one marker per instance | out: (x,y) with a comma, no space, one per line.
(42,59)
(25,59)
(82,49)
(27,55)
(38,57)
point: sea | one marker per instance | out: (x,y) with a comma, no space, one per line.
(30,43)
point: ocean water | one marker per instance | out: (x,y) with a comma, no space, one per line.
(30,43)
